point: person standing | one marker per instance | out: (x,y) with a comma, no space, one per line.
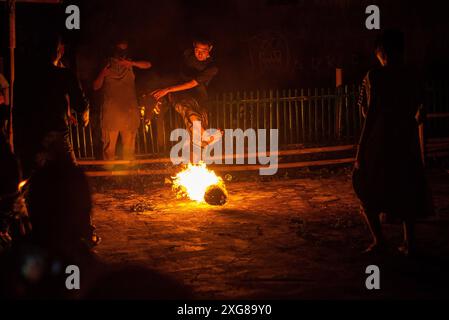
(389,174)
(42,94)
(119,112)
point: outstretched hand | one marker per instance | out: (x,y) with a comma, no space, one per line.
(160,93)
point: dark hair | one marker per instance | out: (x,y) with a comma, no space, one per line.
(203,39)
(48,46)
(120,40)
(391,43)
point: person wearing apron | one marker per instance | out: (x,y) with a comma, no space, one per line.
(119,112)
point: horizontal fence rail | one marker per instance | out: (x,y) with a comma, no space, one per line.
(304,118)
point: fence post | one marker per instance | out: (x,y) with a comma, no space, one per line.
(422,143)
(160,128)
(339,102)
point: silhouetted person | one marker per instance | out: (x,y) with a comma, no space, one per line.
(60,209)
(389,175)
(43,94)
(60,206)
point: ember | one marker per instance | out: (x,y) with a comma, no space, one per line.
(200,184)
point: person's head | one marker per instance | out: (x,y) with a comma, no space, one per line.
(390,47)
(122,44)
(121,48)
(51,49)
(202,48)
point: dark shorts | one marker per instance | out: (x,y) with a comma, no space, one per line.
(190,109)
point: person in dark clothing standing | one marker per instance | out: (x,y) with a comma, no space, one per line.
(389,173)
(190,96)
(43,92)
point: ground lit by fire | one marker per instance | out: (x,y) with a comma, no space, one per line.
(285,238)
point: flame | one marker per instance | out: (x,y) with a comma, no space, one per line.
(22,184)
(194,181)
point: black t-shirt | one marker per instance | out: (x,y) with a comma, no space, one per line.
(201,71)
(41,99)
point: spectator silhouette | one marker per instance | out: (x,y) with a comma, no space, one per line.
(59,207)
(389,174)
(60,211)
(43,93)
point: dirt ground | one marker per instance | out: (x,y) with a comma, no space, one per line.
(286,238)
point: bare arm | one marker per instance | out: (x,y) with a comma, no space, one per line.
(142,64)
(183,86)
(98,82)
(158,94)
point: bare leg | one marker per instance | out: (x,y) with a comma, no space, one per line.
(189,118)
(129,144)
(373,221)
(109,144)
(409,246)
(194,118)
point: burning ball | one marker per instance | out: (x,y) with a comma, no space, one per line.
(216,195)
(200,184)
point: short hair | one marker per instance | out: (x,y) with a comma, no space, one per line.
(120,41)
(203,40)
(392,43)
(48,46)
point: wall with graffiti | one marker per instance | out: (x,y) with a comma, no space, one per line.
(258,43)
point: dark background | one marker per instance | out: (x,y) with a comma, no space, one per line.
(258,43)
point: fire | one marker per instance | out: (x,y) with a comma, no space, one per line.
(194,181)
(22,184)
